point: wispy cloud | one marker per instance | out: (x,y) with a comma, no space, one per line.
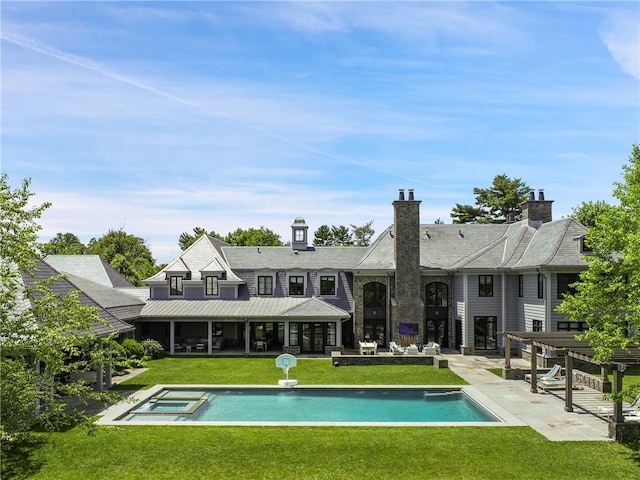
(414,21)
(621,35)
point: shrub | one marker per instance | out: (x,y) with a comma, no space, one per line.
(133,348)
(152,348)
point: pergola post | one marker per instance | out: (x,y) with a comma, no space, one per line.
(507,353)
(534,369)
(617,405)
(568,393)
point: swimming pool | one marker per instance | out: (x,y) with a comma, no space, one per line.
(260,405)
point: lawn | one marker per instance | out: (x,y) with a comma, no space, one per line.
(262,371)
(183,452)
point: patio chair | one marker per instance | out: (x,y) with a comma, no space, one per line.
(551,374)
(261,346)
(411,350)
(395,349)
(217,345)
(432,349)
(557,383)
(632,409)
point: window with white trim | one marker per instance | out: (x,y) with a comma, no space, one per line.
(211,286)
(327,285)
(175,286)
(296,285)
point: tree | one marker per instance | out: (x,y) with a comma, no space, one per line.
(362,235)
(127,253)
(322,237)
(341,236)
(253,237)
(499,203)
(63,244)
(186,239)
(587,213)
(607,295)
(468,214)
(39,330)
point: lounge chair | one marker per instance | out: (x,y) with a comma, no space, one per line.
(557,383)
(551,374)
(395,349)
(632,409)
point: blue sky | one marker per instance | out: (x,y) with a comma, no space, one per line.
(158,117)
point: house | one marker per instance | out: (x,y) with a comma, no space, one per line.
(458,285)
(109,303)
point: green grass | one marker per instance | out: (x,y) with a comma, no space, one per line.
(185,452)
(262,371)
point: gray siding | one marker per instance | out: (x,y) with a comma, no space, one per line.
(227,293)
(533,308)
(193,292)
(555,301)
(479,306)
(159,293)
(513,320)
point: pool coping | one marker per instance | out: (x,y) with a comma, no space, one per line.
(112,415)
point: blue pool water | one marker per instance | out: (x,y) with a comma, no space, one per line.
(320,405)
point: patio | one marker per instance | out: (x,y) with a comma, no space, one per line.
(567,349)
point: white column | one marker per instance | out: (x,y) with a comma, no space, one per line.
(503,310)
(172,337)
(465,304)
(286,333)
(209,332)
(247,339)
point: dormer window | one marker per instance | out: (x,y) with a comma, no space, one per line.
(583,244)
(211,286)
(175,286)
(298,235)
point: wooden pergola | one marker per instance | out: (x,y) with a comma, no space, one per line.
(566,344)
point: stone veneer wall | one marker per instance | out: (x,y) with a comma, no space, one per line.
(409,307)
(359,281)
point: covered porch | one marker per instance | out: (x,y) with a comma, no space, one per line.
(257,326)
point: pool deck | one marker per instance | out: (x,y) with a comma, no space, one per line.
(544,411)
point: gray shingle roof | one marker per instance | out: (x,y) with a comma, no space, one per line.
(255,307)
(285,258)
(202,256)
(104,296)
(63,286)
(485,246)
(91,267)
(554,245)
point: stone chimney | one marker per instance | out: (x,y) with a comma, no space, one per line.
(406,236)
(537,211)
(299,234)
